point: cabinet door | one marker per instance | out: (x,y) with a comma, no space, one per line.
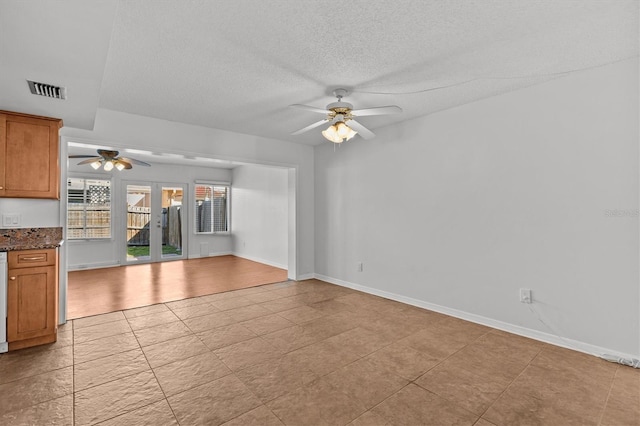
(30,166)
(31,304)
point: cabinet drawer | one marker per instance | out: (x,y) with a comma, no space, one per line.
(31,258)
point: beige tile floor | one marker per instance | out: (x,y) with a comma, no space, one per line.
(307,353)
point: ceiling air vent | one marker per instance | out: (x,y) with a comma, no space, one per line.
(47,90)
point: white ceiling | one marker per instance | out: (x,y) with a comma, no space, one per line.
(237,65)
(150,156)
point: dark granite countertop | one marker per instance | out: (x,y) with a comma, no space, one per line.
(30,238)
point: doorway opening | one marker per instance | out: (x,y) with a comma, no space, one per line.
(155,225)
(261,225)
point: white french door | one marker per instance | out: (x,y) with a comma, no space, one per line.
(155,222)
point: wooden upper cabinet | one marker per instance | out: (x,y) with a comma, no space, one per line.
(29,164)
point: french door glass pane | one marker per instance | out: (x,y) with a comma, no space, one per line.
(138,222)
(171,222)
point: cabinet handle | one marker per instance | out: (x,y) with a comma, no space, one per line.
(1,187)
(33,258)
(12,278)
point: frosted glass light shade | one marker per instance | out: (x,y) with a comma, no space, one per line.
(331,134)
(342,129)
(339,132)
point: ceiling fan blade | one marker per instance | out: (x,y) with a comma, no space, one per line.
(133,161)
(362,131)
(383,110)
(310,108)
(311,126)
(127,165)
(89,161)
(83,156)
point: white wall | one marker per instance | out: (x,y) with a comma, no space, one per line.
(127,130)
(96,253)
(259,214)
(460,209)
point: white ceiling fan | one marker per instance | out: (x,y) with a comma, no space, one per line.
(341,116)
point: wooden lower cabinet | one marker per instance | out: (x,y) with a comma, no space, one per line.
(32,298)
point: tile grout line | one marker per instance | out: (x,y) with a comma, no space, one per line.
(73,374)
(606,401)
(150,369)
(414,381)
(211,351)
(106,356)
(262,403)
(117,353)
(40,374)
(510,384)
(361,357)
(385,399)
(154,375)
(513,381)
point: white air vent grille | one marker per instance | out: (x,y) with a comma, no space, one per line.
(47,90)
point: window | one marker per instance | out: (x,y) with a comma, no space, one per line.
(212,208)
(88,208)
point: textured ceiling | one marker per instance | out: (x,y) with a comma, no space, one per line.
(237,65)
(59,43)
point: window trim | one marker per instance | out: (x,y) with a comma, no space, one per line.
(86,177)
(227,185)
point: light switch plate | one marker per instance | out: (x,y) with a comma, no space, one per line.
(11,220)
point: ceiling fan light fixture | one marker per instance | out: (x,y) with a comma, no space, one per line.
(342,129)
(339,132)
(351,133)
(109,160)
(331,134)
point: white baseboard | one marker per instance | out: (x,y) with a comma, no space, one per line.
(214,254)
(95,265)
(306,277)
(220,253)
(489,322)
(260,260)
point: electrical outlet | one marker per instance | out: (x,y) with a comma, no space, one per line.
(10,220)
(359,266)
(525,295)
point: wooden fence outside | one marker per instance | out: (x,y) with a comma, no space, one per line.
(139,221)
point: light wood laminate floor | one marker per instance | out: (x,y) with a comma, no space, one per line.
(306,353)
(98,291)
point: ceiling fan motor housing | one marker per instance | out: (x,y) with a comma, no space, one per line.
(340,106)
(339,111)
